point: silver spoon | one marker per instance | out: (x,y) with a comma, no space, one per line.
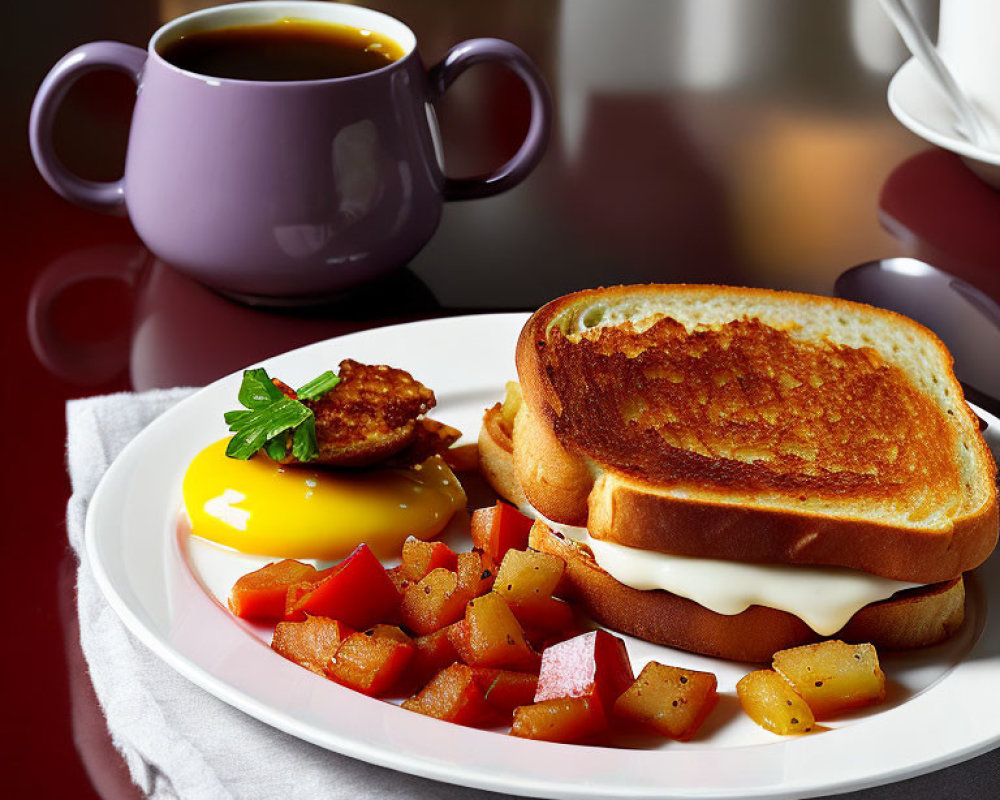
(915,38)
(966,319)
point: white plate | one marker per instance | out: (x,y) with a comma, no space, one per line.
(170,591)
(917,102)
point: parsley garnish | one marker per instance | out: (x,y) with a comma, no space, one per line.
(273,422)
(318,387)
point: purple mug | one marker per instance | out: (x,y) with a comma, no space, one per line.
(283,192)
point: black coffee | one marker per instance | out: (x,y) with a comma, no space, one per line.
(286,50)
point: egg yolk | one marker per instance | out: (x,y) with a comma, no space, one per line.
(264,508)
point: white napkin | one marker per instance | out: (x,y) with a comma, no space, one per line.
(178,740)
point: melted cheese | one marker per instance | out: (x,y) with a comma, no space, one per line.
(825,598)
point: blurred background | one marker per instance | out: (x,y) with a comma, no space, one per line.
(729,141)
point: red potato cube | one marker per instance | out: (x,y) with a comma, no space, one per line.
(562,719)
(432,652)
(594,665)
(497,529)
(358,592)
(419,558)
(434,602)
(560,625)
(526,576)
(299,590)
(399,580)
(526,580)
(371,661)
(474,577)
(310,643)
(671,701)
(833,676)
(453,696)
(772,703)
(480,525)
(504,688)
(490,636)
(261,594)
(547,615)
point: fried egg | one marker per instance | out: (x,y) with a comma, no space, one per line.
(261,507)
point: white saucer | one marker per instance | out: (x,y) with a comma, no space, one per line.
(917,102)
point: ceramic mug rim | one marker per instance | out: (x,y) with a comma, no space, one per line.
(264,11)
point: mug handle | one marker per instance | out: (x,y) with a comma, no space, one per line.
(97,195)
(476,51)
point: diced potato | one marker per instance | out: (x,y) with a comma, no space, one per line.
(420,557)
(480,525)
(671,701)
(497,529)
(558,623)
(310,643)
(594,665)
(474,578)
(293,599)
(773,704)
(433,602)
(525,575)
(832,676)
(371,661)
(453,696)
(432,652)
(399,580)
(490,636)
(506,689)
(562,719)
(526,580)
(261,594)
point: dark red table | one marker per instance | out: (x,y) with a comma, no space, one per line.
(744,142)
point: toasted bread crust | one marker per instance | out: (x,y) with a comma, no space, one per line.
(554,482)
(745,520)
(632,514)
(914,618)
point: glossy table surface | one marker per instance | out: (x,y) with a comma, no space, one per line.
(734,141)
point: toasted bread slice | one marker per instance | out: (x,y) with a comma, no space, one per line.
(753,425)
(914,618)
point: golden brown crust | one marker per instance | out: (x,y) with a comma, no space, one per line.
(370,416)
(743,513)
(374,416)
(636,515)
(430,438)
(915,618)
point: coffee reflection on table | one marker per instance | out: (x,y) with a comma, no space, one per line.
(179,333)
